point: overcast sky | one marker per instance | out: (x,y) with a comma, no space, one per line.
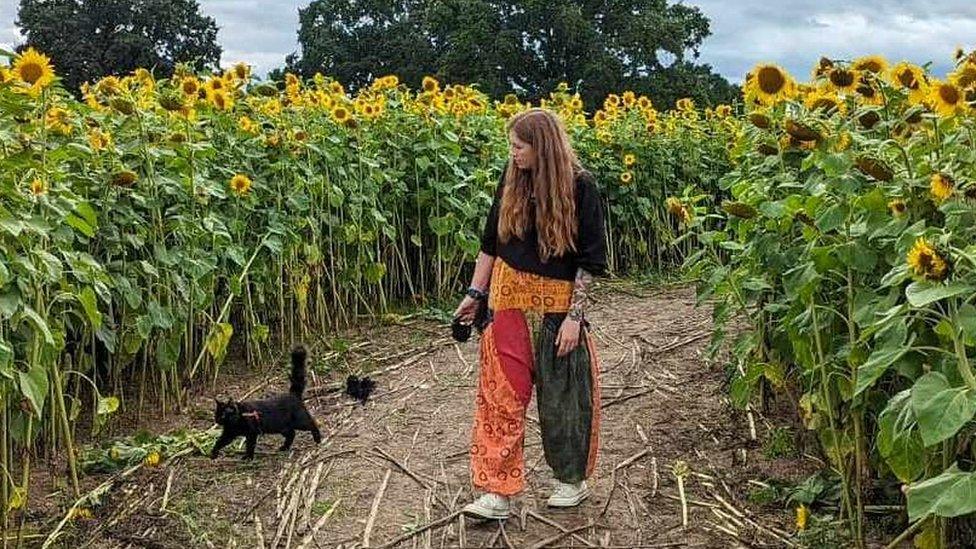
(793,33)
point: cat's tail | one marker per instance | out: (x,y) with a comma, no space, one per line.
(298,359)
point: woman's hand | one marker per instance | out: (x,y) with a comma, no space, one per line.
(467,309)
(568,337)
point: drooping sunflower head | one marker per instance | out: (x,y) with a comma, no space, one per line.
(842,79)
(242,71)
(33,68)
(739,209)
(898,207)
(221,99)
(947,99)
(867,91)
(760,120)
(58,119)
(941,186)
(875,64)
(240,184)
(964,76)
(826,102)
(124,178)
(908,76)
(769,83)
(822,68)
(926,262)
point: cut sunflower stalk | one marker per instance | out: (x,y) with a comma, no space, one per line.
(680,470)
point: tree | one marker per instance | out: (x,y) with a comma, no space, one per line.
(90,39)
(356,41)
(527,46)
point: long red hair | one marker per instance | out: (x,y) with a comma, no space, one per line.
(551,181)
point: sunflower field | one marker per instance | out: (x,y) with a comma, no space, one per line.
(848,248)
(153,224)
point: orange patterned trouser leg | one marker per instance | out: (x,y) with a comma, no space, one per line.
(504,391)
(506,379)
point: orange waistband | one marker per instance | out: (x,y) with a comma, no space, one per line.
(513,289)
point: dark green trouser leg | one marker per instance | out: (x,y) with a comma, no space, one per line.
(564,389)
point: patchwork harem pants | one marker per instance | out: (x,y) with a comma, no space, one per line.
(518,348)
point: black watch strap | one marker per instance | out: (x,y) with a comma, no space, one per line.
(476,293)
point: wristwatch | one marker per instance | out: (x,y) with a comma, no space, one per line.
(476,293)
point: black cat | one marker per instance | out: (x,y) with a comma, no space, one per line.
(283,414)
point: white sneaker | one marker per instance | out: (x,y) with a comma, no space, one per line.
(568,495)
(489,506)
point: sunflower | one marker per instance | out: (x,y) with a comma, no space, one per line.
(823,67)
(430,84)
(685,104)
(612,100)
(124,178)
(876,168)
(723,111)
(38,187)
(6,75)
(33,68)
(629,98)
(644,102)
(739,209)
(190,86)
(678,210)
(941,186)
(99,140)
(824,101)
(898,207)
(241,71)
(629,160)
(246,125)
(868,92)
(925,261)
(240,184)
(221,99)
(947,99)
(769,84)
(760,120)
(626,177)
(875,64)
(58,120)
(843,80)
(964,76)
(109,86)
(911,77)
(341,114)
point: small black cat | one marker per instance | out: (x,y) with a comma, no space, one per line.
(359,388)
(283,414)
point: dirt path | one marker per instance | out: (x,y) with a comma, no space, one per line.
(400,462)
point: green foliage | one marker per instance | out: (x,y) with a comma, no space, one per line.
(89,39)
(508,46)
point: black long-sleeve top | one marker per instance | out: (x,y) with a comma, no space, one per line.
(523,254)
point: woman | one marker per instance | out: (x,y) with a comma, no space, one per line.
(542,244)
